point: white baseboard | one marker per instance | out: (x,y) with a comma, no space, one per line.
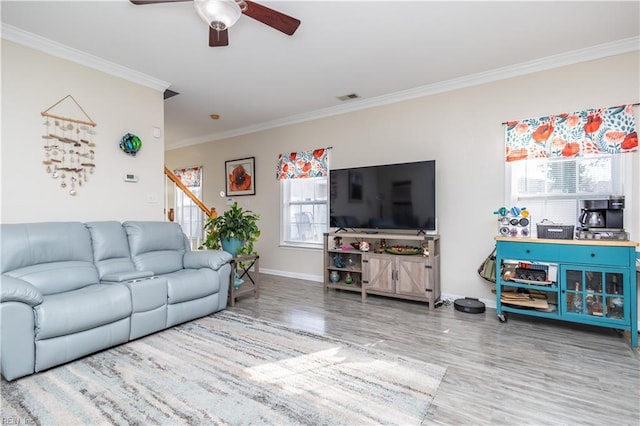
(288,274)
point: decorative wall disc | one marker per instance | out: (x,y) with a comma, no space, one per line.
(130,144)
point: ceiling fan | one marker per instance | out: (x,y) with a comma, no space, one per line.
(221,14)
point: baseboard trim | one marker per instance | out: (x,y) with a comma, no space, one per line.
(288,274)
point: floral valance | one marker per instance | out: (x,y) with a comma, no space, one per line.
(304,164)
(190,176)
(594,131)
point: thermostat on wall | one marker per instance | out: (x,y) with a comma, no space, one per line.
(130,178)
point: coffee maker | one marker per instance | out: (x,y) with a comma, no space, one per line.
(602,219)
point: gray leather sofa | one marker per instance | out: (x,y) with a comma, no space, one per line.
(69,289)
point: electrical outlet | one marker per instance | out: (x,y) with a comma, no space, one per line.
(152,197)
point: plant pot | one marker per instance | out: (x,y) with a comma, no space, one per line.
(232,245)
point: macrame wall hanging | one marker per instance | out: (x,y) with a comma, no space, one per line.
(68,146)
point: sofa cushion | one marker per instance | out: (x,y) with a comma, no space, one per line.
(156,246)
(189,284)
(57,277)
(48,243)
(110,247)
(160,262)
(27,244)
(52,256)
(79,310)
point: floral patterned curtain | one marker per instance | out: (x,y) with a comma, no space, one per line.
(190,176)
(594,131)
(305,164)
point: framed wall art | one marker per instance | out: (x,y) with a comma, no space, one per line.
(240,177)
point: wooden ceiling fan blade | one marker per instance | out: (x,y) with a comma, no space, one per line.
(273,18)
(143,2)
(218,38)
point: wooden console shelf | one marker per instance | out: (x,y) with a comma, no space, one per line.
(411,277)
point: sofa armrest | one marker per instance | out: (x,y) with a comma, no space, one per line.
(17,290)
(126,276)
(213,259)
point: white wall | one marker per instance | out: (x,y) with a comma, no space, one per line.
(461,130)
(32,82)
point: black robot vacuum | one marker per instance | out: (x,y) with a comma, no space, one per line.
(469,305)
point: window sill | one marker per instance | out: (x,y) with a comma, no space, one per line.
(304,246)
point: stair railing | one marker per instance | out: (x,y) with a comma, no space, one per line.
(195,240)
(209,212)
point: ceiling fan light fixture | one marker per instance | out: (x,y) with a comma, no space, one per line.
(218,14)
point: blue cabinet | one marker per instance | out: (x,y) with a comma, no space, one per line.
(590,282)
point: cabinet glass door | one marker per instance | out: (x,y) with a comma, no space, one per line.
(594,293)
(614,296)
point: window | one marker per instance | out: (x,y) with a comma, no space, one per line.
(551,188)
(188,214)
(190,217)
(304,211)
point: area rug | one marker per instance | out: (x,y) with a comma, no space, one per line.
(228,369)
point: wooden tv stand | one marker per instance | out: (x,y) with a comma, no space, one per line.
(403,276)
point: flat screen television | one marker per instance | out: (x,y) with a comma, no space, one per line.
(387,197)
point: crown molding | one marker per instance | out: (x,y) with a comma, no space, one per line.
(53,48)
(59,50)
(555,61)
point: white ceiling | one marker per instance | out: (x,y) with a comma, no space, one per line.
(381,50)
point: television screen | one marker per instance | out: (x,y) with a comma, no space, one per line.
(392,196)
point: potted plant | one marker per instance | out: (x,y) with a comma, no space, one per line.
(234,231)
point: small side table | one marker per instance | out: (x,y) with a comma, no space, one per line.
(250,284)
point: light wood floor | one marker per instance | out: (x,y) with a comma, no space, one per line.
(526,371)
